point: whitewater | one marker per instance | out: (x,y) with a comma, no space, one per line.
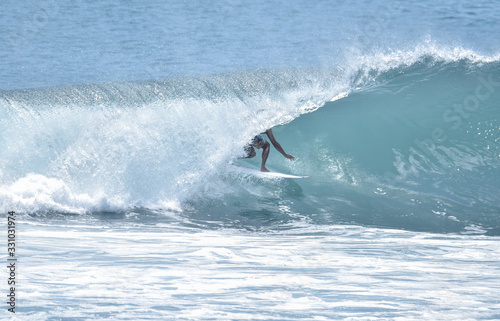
(116,156)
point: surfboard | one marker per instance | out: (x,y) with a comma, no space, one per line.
(258,173)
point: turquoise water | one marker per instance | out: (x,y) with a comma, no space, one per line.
(384,145)
(119,122)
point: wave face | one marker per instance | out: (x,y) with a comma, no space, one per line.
(404,140)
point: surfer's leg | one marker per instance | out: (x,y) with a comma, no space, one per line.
(265,154)
(250,151)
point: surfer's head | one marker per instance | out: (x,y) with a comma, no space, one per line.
(258,141)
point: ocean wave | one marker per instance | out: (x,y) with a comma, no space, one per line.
(387,139)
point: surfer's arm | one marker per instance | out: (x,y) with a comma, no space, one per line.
(277,145)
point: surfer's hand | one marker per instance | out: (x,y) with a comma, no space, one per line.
(289,156)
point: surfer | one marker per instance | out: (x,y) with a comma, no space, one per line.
(259,142)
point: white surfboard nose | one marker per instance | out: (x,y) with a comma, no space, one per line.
(258,173)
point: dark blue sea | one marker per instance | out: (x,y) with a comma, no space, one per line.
(120,122)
